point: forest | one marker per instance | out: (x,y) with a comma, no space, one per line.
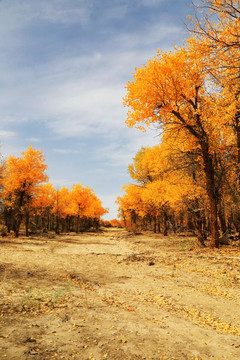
(28,197)
(191,180)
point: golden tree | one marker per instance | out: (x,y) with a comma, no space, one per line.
(21,177)
(172,90)
(43,203)
(216,29)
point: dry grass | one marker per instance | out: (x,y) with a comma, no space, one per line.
(114,295)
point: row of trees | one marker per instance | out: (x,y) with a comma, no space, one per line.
(26,195)
(193,95)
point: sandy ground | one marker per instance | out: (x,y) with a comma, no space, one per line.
(114,295)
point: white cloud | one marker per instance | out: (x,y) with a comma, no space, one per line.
(33,140)
(58,183)
(155,35)
(115,11)
(78,94)
(66,151)
(5,134)
(120,153)
(10,148)
(16,15)
(65,11)
(82,95)
(151,3)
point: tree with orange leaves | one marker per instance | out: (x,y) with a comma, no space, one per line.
(218,23)
(95,210)
(216,35)
(216,28)
(115,223)
(24,193)
(21,177)
(62,207)
(131,206)
(43,203)
(85,205)
(170,183)
(80,202)
(172,91)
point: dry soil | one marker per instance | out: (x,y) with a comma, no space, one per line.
(115,295)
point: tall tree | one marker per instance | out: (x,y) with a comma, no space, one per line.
(21,177)
(43,202)
(172,90)
(216,29)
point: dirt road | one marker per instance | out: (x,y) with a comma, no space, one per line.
(117,296)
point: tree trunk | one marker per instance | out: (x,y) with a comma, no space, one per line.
(17,224)
(237,131)
(57,217)
(57,225)
(158,225)
(154,224)
(77,224)
(96,223)
(8,219)
(199,227)
(190,221)
(210,186)
(43,223)
(198,221)
(222,219)
(165,225)
(27,224)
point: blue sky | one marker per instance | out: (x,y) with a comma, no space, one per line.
(64,65)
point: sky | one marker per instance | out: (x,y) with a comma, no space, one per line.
(64,65)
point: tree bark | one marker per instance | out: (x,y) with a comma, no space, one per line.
(17,224)
(165,225)
(26,224)
(8,219)
(77,224)
(158,225)
(154,224)
(210,187)
(222,218)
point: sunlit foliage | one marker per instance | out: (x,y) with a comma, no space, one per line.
(26,195)
(192,94)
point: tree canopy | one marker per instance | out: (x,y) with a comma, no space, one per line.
(192,94)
